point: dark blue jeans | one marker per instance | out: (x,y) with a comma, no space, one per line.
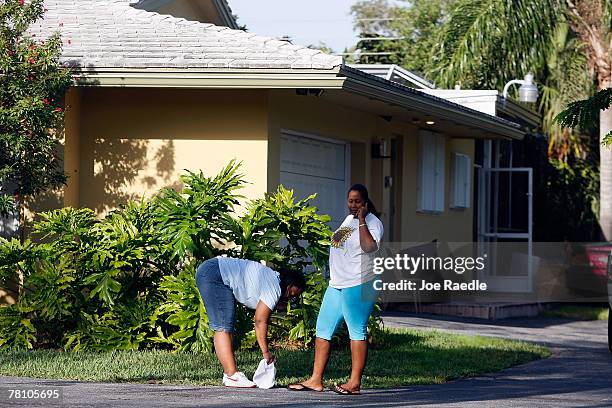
(218,298)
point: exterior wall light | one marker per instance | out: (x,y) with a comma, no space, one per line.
(528,91)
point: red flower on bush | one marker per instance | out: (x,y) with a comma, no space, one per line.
(46,101)
(58,109)
(31,60)
(21,2)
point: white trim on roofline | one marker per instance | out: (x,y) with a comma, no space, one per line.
(389,70)
(344,78)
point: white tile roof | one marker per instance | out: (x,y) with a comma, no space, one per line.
(111,34)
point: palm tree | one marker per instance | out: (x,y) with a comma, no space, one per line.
(485,43)
(584,114)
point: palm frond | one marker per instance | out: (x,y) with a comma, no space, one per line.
(488,42)
(585,112)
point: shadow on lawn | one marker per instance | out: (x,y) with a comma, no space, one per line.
(407,359)
(401,359)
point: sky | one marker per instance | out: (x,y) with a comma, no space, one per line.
(307,22)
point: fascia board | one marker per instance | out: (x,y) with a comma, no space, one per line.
(514,109)
(253,79)
(390,94)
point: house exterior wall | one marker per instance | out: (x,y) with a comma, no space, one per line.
(135,141)
(452,225)
(312,115)
(126,143)
(72,147)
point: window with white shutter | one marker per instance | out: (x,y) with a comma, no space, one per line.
(432,160)
(462,181)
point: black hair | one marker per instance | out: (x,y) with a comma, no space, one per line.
(289,277)
(363,191)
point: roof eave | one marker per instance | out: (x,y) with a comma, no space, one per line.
(387,91)
(340,77)
(248,78)
(512,108)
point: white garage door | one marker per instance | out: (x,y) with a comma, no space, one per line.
(311,165)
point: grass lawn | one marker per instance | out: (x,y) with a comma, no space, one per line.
(405,357)
(578,312)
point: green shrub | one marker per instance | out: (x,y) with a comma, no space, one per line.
(126,281)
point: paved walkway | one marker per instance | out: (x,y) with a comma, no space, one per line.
(579,374)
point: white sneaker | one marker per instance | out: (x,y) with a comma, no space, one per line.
(238,380)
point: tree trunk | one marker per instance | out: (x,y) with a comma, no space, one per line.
(605,176)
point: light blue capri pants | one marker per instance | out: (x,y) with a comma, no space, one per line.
(353,304)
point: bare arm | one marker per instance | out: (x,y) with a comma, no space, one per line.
(367,242)
(262,316)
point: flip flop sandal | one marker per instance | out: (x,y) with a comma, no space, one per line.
(343,391)
(302,388)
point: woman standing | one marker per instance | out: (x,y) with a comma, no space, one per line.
(350,295)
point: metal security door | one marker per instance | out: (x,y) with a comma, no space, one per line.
(505,228)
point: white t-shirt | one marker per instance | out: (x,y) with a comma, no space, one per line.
(250,281)
(345,252)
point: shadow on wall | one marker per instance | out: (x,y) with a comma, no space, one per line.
(122,163)
(116,165)
(47,200)
(164,166)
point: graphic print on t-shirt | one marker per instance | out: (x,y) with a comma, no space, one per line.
(341,235)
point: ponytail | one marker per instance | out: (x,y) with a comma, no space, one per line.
(372,208)
(363,191)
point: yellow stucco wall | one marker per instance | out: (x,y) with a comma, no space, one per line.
(72,147)
(131,142)
(135,141)
(312,115)
(452,225)
(316,116)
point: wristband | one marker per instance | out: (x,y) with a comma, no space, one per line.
(362,225)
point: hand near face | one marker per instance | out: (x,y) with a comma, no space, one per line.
(363,211)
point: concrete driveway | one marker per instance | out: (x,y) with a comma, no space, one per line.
(579,374)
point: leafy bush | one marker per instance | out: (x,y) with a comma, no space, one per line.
(127,281)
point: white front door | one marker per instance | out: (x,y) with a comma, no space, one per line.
(310,164)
